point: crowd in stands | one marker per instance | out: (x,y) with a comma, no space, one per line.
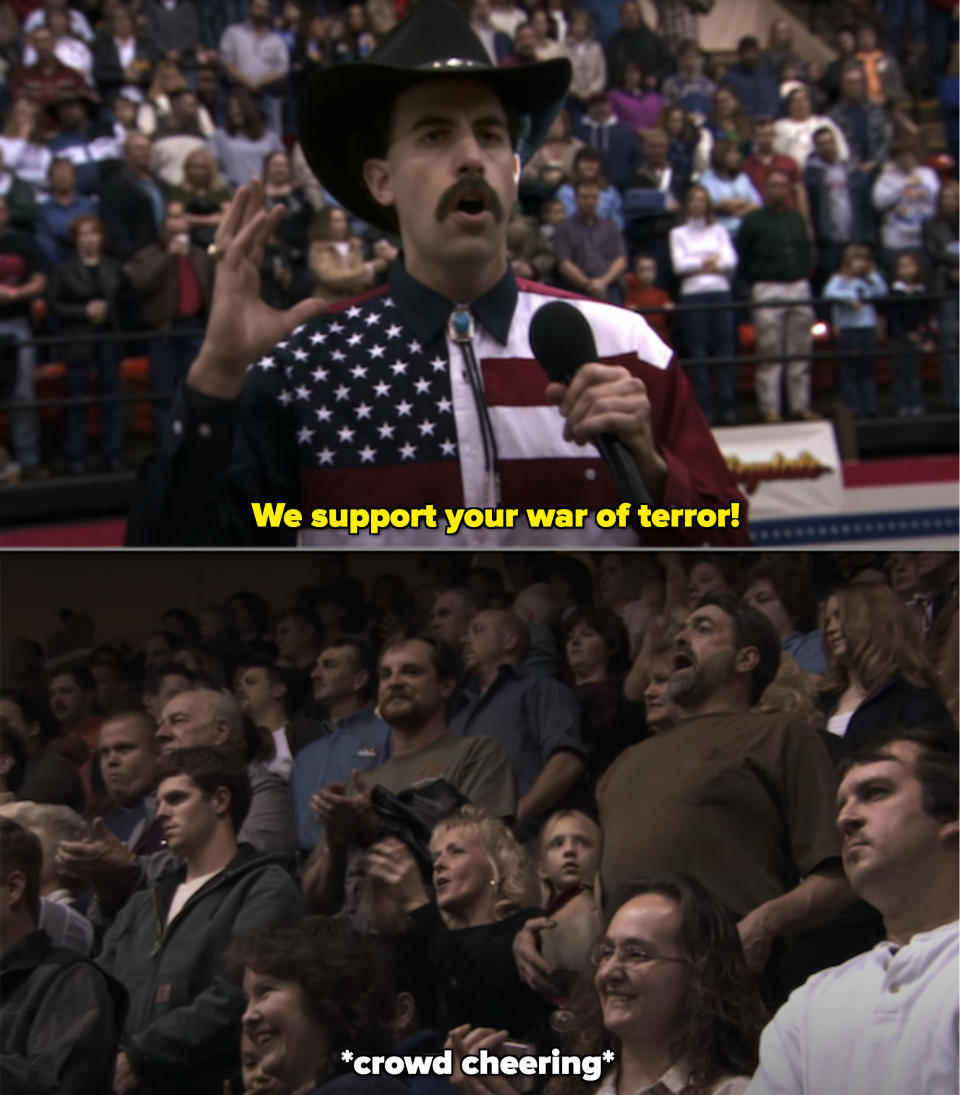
(579,806)
(670,179)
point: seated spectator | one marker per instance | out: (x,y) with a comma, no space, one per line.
(597,649)
(551,165)
(21,205)
(524,51)
(942,253)
(60,1015)
(174,279)
(774,258)
(728,121)
(635,41)
(795,131)
(588,167)
(865,126)
(311,988)
(178,133)
(256,59)
(752,81)
(122,57)
(884,84)
(897,810)
(586,56)
(911,330)
(688,146)
(535,718)
(132,201)
(732,194)
(222,891)
(670,940)
(781,591)
(494,40)
(635,103)
(764,158)
(64,206)
(49,776)
(616,143)
(905,195)
(855,323)
(590,250)
(545,38)
(704,260)
(46,79)
(24,145)
(642,295)
(243,140)
(691,88)
(878,675)
(203,194)
(89,294)
(23,279)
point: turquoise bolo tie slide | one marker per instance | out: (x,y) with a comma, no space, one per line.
(461,325)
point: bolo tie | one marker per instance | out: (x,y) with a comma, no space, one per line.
(462,330)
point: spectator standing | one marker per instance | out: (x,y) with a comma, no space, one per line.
(256,59)
(855,321)
(684,143)
(588,167)
(203,194)
(775,260)
(22,279)
(732,194)
(796,129)
(552,164)
(91,146)
(642,294)
(174,279)
(89,294)
(47,79)
(942,254)
(546,45)
(167,79)
(780,589)
(21,205)
(586,57)
(337,262)
(24,146)
(132,201)
(678,21)
(690,87)
(846,48)
(495,42)
(635,104)
(128,760)
(704,260)
(905,195)
(866,126)
(884,83)
(764,158)
(122,58)
(279,188)
(728,120)
(506,16)
(754,84)
(635,41)
(591,255)
(910,326)
(243,141)
(651,200)
(178,134)
(524,51)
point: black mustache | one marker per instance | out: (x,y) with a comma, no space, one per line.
(469,185)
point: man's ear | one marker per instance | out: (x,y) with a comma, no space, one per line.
(950,834)
(447,687)
(7,762)
(746,660)
(221,801)
(361,680)
(516,169)
(15,884)
(376,175)
(222,732)
(278,691)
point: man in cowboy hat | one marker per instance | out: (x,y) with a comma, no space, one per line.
(425,391)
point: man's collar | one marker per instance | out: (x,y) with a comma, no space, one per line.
(426,311)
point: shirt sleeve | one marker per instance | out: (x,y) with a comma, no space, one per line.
(781,1051)
(553,717)
(809,787)
(487,777)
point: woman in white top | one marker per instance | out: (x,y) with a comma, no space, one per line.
(795,131)
(704,260)
(586,56)
(672,997)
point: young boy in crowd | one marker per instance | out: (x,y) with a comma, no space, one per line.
(911,330)
(643,294)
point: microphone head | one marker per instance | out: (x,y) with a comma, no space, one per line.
(561,340)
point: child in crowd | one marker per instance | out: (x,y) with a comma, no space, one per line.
(853,287)
(642,294)
(910,326)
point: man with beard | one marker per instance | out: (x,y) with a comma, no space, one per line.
(417,677)
(743,802)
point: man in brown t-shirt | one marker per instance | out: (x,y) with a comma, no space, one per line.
(743,802)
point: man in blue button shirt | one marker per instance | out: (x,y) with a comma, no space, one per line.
(535,718)
(344,683)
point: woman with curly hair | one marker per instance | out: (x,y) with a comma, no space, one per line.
(313,988)
(671,996)
(877,672)
(484,892)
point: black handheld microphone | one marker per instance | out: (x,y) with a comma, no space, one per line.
(562,341)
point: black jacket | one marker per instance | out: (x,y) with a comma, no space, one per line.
(73,285)
(108,73)
(895,703)
(127,212)
(60,1021)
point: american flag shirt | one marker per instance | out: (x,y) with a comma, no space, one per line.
(370,405)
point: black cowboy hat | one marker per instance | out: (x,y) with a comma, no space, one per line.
(346,104)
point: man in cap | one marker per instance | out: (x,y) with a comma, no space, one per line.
(426,390)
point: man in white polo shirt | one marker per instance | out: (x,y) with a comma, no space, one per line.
(885,1023)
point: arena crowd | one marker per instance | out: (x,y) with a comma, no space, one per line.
(678,183)
(699,811)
